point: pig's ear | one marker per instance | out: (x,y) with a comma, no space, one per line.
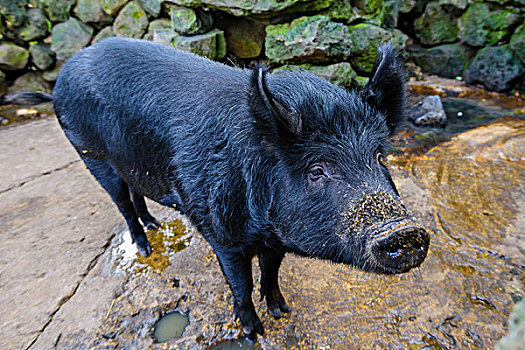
(272,118)
(386,88)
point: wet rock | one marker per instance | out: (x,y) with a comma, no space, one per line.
(13,57)
(339,73)
(13,11)
(482,24)
(348,11)
(246,8)
(448,60)
(90,11)
(70,37)
(35,27)
(244,38)
(517,43)
(56,10)
(152,7)
(435,25)
(428,112)
(315,39)
(104,33)
(515,339)
(365,38)
(496,68)
(211,45)
(111,7)
(188,21)
(52,74)
(131,21)
(32,81)
(41,55)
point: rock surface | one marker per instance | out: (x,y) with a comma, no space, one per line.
(41,55)
(32,81)
(36,26)
(56,10)
(187,21)
(91,11)
(445,60)
(436,26)
(211,45)
(316,39)
(339,73)
(517,43)
(69,37)
(496,68)
(131,21)
(13,57)
(428,112)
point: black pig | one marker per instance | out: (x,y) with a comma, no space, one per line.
(262,164)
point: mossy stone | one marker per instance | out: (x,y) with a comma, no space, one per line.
(131,22)
(13,57)
(365,38)
(313,39)
(160,24)
(211,45)
(35,27)
(483,24)
(496,68)
(244,37)
(338,73)
(112,7)
(104,33)
(152,7)
(56,10)
(90,11)
(41,55)
(51,75)
(349,11)
(32,81)
(13,11)
(517,42)
(188,21)
(69,37)
(449,60)
(436,26)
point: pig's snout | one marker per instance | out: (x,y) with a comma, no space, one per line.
(400,247)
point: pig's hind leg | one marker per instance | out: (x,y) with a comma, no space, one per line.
(270,261)
(141,209)
(119,192)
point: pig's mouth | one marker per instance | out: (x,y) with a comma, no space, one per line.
(396,246)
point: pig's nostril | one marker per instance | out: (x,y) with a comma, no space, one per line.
(417,245)
(393,250)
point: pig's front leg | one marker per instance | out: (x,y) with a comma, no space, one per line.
(270,261)
(237,268)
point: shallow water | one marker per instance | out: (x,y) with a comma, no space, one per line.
(169,326)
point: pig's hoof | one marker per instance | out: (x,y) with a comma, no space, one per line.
(151,223)
(251,324)
(152,226)
(277,307)
(144,248)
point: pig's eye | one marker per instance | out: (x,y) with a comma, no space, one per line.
(316,173)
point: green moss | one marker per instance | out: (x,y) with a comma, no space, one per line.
(436,26)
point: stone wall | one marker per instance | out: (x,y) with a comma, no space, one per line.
(481,41)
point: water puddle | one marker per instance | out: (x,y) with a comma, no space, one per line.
(170,326)
(10,114)
(234,344)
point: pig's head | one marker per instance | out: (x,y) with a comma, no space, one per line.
(333,196)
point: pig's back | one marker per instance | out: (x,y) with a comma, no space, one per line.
(150,109)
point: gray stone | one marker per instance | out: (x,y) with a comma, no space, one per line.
(496,68)
(267,7)
(32,81)
(164,36)
(13,12)
(35,27)
(158,24)
(428,112)
(339,73)
(187,21)
(365,38)
(70,37)
(484,24)
(517,43)
(131,21)
(90,11)
(448,60)
(152,7)
(41,55)
(436,26)
(52,74)
(312,39)
(13,57)
(56,10)
(111,7)
(515,339)
(211,45)
(104,33)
